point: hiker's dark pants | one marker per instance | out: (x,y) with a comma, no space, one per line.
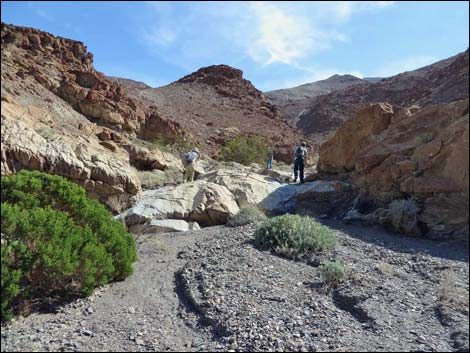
(299,167)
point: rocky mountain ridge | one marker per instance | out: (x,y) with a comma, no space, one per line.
(293,101)
(216,104)
(443,82)
(61,116)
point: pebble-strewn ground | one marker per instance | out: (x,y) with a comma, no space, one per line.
(212,290)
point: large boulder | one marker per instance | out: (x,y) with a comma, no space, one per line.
(201,201)
(394,153)
(247,187)
(401,216)
(314,198)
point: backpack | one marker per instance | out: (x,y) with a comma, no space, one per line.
(190,157)
(299,153)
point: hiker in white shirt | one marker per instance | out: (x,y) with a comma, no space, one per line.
(190,160)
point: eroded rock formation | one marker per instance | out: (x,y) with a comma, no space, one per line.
(393,152)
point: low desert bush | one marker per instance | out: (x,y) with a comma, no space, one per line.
(294,236)
(332,273)
(245,150)
(246,215)
(403,214)
(56,241)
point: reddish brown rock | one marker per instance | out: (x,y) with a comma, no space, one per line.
(104,135)
(424,154)
(211,104)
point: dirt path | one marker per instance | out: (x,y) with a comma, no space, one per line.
(142,313)
(212,290)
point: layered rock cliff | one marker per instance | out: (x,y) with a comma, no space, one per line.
(61,116)
(395,153)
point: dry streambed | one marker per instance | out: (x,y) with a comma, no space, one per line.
(212,290)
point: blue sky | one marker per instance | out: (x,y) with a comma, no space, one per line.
(276,44)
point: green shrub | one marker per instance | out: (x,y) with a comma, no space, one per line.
(293,236)
(248,214)
(332,273)
(10,283)
(245,150)
(178,145)
(56,241)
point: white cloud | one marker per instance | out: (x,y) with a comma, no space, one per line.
(407,64)
(265,32)
(195,34)
(283,37)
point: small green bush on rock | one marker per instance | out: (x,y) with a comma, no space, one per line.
(293,236)
(332,273)
(247,215)
(56,241)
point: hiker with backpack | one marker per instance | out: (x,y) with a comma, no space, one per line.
(269,162)
(189,161)
(300,157)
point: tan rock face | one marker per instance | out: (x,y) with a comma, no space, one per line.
(90,93)
(342,151)
(247,187)
(201,201)
(106,177)
(424,154)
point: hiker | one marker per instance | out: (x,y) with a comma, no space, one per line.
(189,161)
(269,162)
(300,157)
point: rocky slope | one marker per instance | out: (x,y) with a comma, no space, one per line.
(212,290)
(215,104)
(443,82)
(291,102)
(392,152)
(61,116)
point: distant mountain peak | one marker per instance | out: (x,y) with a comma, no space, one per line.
(213,74)
(343,78)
